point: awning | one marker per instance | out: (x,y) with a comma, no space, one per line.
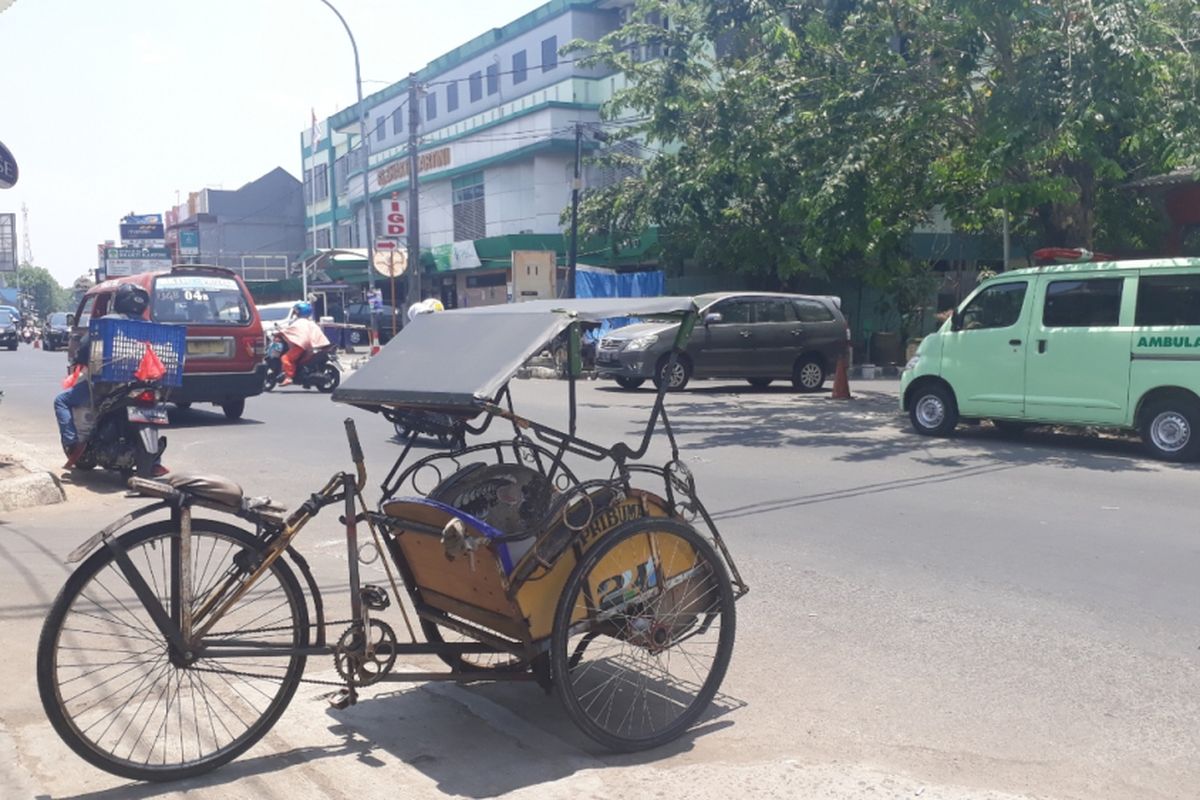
(455,361)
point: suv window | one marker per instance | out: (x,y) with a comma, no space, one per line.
(774,311)
(1168,300)
(1089,303)
(997,306)
(813,311)
(734,310)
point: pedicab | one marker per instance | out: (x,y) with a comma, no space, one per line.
(176,644)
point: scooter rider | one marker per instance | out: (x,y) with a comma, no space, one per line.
(129,303)
(303,337)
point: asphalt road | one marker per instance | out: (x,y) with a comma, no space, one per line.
(975,617)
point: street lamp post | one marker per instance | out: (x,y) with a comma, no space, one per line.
(364,142)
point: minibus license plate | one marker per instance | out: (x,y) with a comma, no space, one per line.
(205,348)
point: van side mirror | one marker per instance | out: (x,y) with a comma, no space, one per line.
(70,320)
(956,321)
(714,317)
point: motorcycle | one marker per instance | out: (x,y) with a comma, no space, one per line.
(120,430)
(321,371)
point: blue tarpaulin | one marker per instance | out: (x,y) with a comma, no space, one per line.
(600,282)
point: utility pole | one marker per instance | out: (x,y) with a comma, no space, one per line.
(413,292)
(575,186)
(365,144)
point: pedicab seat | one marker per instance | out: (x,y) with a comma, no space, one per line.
(212,488)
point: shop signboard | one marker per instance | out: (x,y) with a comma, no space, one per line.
(142,230)
(8,168)
(189,242)
(122,261)
(8,242)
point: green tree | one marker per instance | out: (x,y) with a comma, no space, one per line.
(789,136)
(42,289)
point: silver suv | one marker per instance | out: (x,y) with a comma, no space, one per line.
(756,336)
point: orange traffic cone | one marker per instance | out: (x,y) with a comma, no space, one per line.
(841,381)
(374,343)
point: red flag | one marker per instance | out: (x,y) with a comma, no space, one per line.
(73,378)
(151,368)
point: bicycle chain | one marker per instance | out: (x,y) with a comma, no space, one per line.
(316,681)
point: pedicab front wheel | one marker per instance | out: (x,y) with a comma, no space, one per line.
(643,633)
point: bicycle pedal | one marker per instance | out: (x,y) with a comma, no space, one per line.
(342,698)
(374,597)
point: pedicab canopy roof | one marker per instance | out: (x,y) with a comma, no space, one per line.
(455,361)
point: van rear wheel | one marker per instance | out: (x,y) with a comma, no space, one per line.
(1169,429)
(933,411)
(234,408)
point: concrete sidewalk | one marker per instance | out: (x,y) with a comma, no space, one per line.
(25,480)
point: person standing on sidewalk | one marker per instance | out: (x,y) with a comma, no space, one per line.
(130,303)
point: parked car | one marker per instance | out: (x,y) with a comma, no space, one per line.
(360,314)
(8,330)
(1110,344)
(757,336)
(225,347)
(56,333)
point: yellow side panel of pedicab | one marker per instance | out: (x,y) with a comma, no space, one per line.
(474,589)
(538,596)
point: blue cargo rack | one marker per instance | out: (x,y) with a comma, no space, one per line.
(118,346)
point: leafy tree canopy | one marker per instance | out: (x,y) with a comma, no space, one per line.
(39,285)
(790,136)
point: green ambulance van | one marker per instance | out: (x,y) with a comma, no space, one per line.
(1113,344)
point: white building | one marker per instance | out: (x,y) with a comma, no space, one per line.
(497,148)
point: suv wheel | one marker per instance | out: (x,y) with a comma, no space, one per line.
(1169,429)
(808,375)
(630,383)
(673,376)
(933,411)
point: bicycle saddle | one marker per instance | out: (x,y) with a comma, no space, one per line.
(213,488)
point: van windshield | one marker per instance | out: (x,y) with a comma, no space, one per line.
(200,300)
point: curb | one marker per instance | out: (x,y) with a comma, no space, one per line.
(32,485)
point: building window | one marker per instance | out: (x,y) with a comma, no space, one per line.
(377,218)
(345,235)
(308,187)
(475,84)
(430,106)
(320,183)
(339,176)
(493,75)
(452,96)
(380,128)
(549,53)
(1091,303)
(398,120)
(518,67)
(323,238)
(470,223)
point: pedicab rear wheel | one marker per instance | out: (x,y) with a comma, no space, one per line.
(643,633)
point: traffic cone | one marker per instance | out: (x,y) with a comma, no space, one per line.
(37,343)
(374,343)
(841,380)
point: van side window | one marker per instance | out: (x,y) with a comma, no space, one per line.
(1091,303)
(997,306)
(813,311)
(1168,300)
(774,311)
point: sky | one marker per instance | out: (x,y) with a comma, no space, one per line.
(118,106)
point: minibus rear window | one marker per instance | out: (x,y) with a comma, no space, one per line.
(199,300)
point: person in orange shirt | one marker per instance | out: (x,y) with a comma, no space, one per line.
(303,337)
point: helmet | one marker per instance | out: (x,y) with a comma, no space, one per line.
(427,306)
(131,300)
(303,309)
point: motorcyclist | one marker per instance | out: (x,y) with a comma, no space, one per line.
(303,336)
(130,302)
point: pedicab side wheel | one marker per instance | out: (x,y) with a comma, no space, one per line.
(643,633)
(133,706)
